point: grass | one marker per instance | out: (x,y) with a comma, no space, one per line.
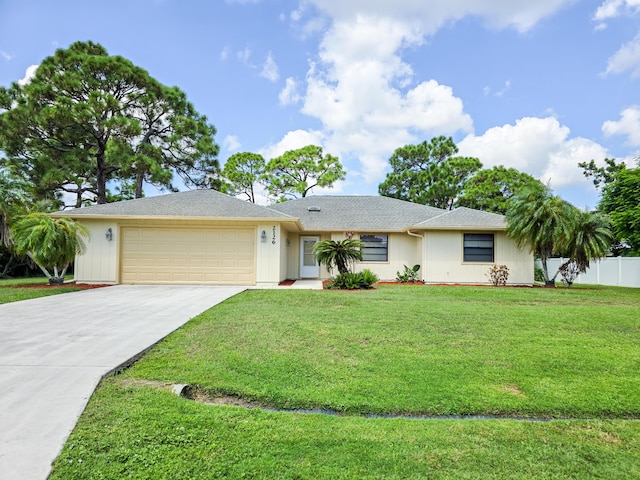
(13,290)
(569,354)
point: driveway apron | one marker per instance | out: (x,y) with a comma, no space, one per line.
(55,350)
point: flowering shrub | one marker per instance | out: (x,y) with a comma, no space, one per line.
(498,275)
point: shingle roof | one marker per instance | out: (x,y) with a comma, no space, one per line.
(316,213)
(192,203)
(464,217)
(356,213)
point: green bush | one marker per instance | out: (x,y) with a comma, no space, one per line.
(409,275)
(368,278)
(353,281)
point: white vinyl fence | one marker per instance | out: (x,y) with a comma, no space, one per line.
(616,271)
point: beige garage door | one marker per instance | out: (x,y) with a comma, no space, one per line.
(171,255)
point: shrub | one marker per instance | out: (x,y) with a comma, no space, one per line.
(368,278)
(353,281)
(498,275)
(569,271)
(409,275)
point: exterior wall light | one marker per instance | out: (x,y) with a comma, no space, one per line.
(109,234)
(263,236)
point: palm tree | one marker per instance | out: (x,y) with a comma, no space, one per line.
(338,254)
(550,225)
(52,243)
(13,202)
(13,197)
(544,222)
(591,240)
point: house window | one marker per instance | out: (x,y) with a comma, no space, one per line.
(375,248)
(478,247)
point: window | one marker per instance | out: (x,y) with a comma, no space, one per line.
(478,247)
(375,249)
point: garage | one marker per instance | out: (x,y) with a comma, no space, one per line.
(165,255)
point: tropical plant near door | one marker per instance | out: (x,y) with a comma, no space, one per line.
(338,254)
(52,243)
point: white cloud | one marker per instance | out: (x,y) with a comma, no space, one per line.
(224,54)
(507,86)
(629,125)
(292,141)
(289,94)
(231,143)
(613,8)
(541,147)
(359,91)
(367,97)
(5,55)
(519,14)
(270,69)
(244,55)
(29,74)
(627,58)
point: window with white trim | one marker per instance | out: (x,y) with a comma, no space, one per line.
(478,247)
(375,248)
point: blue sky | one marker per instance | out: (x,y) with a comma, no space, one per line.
(538,86)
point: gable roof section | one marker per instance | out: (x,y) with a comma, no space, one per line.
(189,204)
(464,218)
(356,213)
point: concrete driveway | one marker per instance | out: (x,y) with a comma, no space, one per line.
(55,350)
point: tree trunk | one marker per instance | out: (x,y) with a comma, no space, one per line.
(139,182)
(547,281)
(78,198)
(5,270)
(101,178)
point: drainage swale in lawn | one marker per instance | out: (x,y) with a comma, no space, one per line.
(196,394)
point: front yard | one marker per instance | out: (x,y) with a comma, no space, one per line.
(18,289)
(508,353)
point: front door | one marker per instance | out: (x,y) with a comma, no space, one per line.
(308,266)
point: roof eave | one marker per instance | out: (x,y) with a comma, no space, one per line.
(458,227)
(95,216)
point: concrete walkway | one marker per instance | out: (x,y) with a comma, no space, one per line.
(55,350)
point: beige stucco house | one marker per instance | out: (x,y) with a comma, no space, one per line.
(206,237)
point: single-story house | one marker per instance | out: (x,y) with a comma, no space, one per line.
(207,237)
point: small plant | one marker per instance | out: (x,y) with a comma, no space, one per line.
(353,281)
(368,278)
(498,275)
(409,275)
(569,271)
(538,273)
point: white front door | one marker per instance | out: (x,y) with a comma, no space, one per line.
(308,266)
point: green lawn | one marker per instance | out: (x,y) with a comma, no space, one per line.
(572,355)
(13,290)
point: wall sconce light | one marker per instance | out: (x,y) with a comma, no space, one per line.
(263,236)
(288,242)
(109,234)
